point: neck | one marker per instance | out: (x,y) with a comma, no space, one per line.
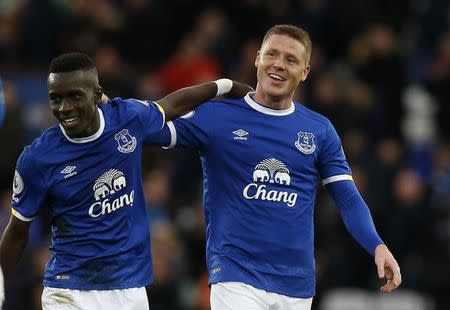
(94,126)
(272,102)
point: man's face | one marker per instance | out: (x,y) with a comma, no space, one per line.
(73,100)
(281,66)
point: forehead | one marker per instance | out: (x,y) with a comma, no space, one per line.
(284,43)
(78,79)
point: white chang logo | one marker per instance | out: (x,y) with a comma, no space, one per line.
(305,142)
(17,186)
(127,143)
(107,184)
(271,171)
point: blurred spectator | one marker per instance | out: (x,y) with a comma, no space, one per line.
(243,69)
(441,180)
(10,16)
(202,293)
(157,192)
(115,76)
(149,87)
(145,37)
(382,67)
(438,83)
(168,263)
(12,133)
(419,130)
(190,64)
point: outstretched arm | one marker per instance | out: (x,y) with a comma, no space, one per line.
(186,99)
(12,245)
(359,223)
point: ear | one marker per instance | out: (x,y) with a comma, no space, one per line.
(258,56)
(98,93)
(305,73)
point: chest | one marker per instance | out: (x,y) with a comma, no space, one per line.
(272,147)
(97,169)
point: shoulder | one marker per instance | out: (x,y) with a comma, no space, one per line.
(41,146)
(47,141)
(130,106)
(220,104)
(129,102)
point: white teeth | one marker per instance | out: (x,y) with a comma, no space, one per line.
(276,76)
(70,121)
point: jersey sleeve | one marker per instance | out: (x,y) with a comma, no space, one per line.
(150,114)
(191,130)
(29,189)
(355,214)
(333,165)
(162,138)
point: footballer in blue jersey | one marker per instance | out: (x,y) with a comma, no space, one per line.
(262,157)
(91,187)
(86,173)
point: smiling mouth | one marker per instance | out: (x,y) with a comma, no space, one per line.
(70,122)
(276,77)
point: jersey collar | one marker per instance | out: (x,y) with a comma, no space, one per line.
(91,137)
(267,110)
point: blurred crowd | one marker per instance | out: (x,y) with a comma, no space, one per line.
(380,73)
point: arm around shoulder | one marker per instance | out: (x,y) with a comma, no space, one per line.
(186,99)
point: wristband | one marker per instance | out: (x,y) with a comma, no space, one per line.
(223,86)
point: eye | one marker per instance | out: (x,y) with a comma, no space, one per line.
(55,100)
(291,60)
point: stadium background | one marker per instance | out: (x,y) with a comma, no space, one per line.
(380,72)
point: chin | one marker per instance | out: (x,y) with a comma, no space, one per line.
(276,94)
(73,132)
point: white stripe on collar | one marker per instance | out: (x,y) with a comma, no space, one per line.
(90,138)
(267,110)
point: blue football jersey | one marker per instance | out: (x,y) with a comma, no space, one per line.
(92,189)
(260,169)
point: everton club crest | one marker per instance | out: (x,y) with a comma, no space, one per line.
(305,142)
(127,143)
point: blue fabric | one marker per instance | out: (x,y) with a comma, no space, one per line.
(93,191)
(355,213)
(261,168)
(2,104)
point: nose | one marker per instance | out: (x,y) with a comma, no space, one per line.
(278,63)
(65,106)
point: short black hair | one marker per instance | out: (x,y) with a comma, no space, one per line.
(71,62)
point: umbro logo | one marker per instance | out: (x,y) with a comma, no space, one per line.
(240,134)
(69,171)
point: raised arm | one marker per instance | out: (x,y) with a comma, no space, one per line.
(186,99)
(12,245)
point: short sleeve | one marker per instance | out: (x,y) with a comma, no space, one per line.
(162,138)
(150,114)
(333,165)
(29,189)
(193,129)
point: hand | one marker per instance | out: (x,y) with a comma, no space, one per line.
(238,90)
(104,99)
(388,268)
